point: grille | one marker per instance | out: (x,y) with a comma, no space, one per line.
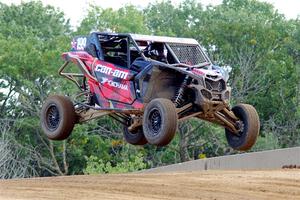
(206,94)
(188,54)
(215,86)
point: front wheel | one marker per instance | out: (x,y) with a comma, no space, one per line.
(249,128)
(160,121)
(58,117)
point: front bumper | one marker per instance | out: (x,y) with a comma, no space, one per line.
(211,101)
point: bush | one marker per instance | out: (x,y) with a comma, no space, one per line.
(96,165)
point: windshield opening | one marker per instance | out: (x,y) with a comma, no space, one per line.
(174,53)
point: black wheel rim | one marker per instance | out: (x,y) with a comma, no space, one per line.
(52,117)
(155,121)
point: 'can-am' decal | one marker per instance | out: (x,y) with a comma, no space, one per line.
(109,71)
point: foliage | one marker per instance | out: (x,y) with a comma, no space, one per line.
(266,142)
(15,161)
(120,20)
(96,165)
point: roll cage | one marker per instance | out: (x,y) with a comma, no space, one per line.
(122,49)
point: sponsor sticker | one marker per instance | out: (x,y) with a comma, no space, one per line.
(110,71)
(114,84)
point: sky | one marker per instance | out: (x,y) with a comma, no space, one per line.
(75,10)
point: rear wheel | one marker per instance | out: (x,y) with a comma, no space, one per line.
(249,128)
(160,121)
(135,137)
(58,117)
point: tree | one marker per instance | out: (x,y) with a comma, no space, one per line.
(31,37)
(251,38)
(13,163)
(163,18)
(124,20)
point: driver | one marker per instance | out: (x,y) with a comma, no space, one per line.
(156,52)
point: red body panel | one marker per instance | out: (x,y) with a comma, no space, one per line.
(115,82)
(115,86)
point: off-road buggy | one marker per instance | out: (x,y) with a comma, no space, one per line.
(147,83)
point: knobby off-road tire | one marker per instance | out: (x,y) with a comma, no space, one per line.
(160,121)
(58,117)
(246,138)
(135,137)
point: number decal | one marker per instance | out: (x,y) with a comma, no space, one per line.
(81,43)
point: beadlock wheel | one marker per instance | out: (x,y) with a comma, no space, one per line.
(160,121)
(58,117)
(52,117)
(249,126)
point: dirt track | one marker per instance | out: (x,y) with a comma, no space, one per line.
(282,184)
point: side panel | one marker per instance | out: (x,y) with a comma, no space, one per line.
(115,82)
(161,84)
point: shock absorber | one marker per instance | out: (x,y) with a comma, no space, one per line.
(178,100)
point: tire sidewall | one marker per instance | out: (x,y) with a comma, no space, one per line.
(248,115)
(238,141)
(66,122)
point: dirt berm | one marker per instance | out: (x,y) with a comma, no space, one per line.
(217,185)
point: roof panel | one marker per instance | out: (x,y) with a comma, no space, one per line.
(164,39)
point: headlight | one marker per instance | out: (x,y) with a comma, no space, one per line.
(222,71)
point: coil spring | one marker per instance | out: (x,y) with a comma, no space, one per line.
(178,100)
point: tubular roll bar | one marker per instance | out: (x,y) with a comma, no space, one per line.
(72,76)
